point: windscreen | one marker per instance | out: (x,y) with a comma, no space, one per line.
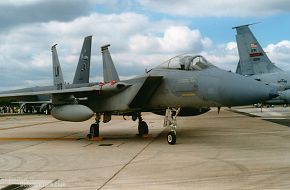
(186,62)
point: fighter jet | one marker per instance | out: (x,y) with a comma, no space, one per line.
(42,102)
(185,85)
(255,63)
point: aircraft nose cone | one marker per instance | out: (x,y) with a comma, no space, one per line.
(246,91)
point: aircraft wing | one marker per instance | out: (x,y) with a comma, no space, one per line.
(137,98)
(32,102)
(100,90)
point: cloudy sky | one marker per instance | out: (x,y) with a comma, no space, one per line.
(142,34)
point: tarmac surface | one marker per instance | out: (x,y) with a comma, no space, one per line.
(240,148)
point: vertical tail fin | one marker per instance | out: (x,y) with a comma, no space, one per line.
(109,70)
(253,59)
(82,73)
(57,73)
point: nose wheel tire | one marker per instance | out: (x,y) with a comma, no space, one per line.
(171,138)
(143,128)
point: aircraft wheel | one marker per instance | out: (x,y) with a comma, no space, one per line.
(171,138)
(143,128)
(94,130)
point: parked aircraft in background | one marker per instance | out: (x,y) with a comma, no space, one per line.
(42,103)
(185,85)
(255,63)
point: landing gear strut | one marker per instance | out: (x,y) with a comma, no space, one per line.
(170,121)
(142,126)
(94,129)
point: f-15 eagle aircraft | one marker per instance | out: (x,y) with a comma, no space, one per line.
(185,85)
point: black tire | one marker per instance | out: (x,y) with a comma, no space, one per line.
(94,130)
(171,138)
(143,128)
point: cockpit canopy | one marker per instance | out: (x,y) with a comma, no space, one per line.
(186,62)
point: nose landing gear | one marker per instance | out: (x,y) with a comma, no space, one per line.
(170,120)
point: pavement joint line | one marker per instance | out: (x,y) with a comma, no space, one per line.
(30,125)
(130,161)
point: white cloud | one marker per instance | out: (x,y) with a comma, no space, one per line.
(231,46)
(138,42)
(224,56)
(175,39)
(41,60)
(280,54)
(26,48)
(218,8)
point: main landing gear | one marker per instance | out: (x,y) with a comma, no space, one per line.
(142,126)
(94,129)
(170,121)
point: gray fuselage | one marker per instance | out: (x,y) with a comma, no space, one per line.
(209,87)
